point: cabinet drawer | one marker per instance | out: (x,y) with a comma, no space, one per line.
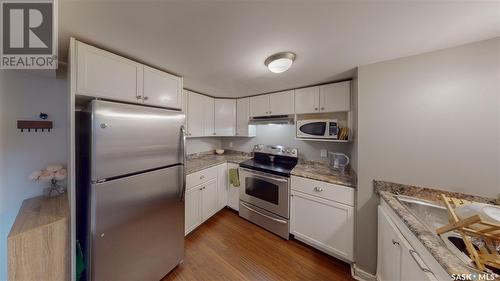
(337,193)
(200,177)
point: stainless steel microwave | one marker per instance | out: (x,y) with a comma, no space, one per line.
(318,128)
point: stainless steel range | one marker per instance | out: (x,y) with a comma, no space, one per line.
(265,190)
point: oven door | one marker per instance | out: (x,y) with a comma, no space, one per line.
(267,191)
(312,129)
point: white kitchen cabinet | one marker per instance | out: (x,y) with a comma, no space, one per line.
(282,103)
(209,199)
(192,203)
(196,114)
(243,128)
(307,100)
(323,224)
(162,89)
(233,195)
(209,116)
(106,75)
(222,186)
(225,117)
(335,97)
(259,105)
(396,258)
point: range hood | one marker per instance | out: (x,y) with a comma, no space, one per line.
(274,119)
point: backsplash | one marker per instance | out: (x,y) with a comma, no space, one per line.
(197,145)
(285,135)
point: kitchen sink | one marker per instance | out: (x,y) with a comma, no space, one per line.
(427,212)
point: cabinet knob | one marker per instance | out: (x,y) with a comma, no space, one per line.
(214,134)
(138,97)
(202,177)
(318,189)
(395,242)
(146,98)
(270,112)
(322,108)
(315,108)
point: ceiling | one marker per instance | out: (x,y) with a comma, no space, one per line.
(219,47)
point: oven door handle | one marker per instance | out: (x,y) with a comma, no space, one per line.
(263,175)
(262,214)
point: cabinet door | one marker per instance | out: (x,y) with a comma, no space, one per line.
(324,224)
(222,186)
(162,89)
(209,199)
(243,117)
(192,208)
(209,116)
(307,100)
(233,194)
(195,114)
(335,97)
(225,117)
(413,267)
(259,105)
(106,75)
(282,103)
(388,250)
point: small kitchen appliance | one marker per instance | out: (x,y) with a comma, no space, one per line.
(265,190)
(318,129)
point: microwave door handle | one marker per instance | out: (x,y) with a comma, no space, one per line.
(258,174)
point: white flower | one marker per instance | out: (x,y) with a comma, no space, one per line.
(53,168)
(46,176)
(35,175)
(60,175)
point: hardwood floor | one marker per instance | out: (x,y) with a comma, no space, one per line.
(227,247)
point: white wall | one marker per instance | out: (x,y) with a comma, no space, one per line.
(284,135)
(197,145)
(24,96)
(430,120)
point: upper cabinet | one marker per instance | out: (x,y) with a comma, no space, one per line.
(333,97)
(243,128)
(195,115)
(259,105)
(307,100)
(225,117)
(209,116)
(162,89)
(105,75)
(281,103)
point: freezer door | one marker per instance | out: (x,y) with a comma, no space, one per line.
(127,139)
(138,226)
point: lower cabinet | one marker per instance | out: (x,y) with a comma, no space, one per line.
(396,258)
(323,224)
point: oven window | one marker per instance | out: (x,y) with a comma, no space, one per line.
(262,189)
(315,129)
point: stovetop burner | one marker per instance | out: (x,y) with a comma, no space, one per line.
(273,159)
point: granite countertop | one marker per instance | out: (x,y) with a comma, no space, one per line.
(321,171)
(388,191)
(200,161)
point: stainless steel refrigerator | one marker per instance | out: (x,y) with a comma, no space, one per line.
(130,191)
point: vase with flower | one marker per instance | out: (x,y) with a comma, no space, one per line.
(53,176)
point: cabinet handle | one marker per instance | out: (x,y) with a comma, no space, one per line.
(318,189)
(202,177)
(201,188)
(412,254)
(138,97)
(395,242)
(146,98)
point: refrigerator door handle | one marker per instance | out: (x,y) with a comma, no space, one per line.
(183,136)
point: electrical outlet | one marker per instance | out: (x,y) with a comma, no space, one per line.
(230,144)
(323,153)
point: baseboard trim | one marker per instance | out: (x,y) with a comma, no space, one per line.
(361,275)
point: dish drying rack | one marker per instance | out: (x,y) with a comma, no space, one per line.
(475,228)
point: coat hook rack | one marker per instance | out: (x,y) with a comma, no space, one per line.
(35,125)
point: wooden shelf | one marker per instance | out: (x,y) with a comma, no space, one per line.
(39,241)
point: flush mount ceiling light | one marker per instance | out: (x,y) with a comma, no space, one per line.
(280,62)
